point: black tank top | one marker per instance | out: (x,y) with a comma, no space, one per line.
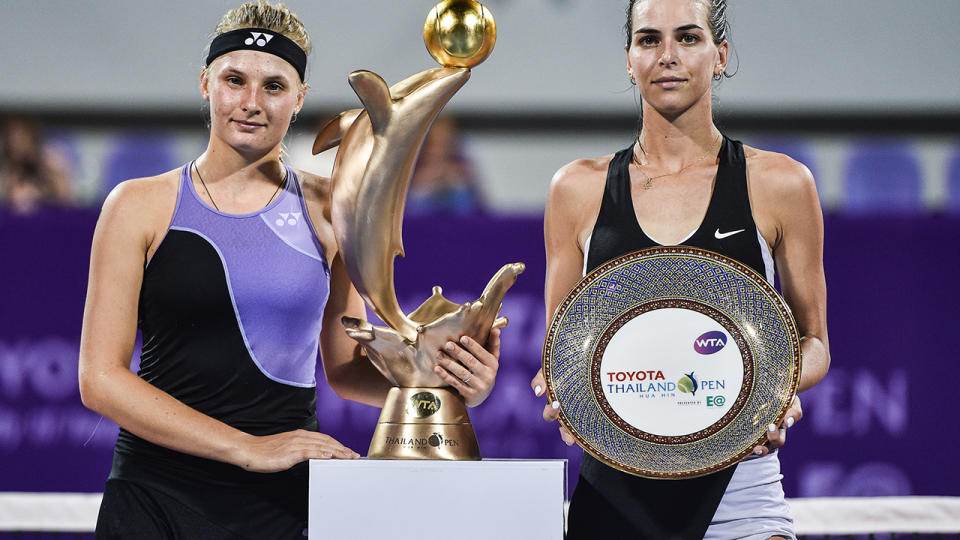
(727,228)
(610,503)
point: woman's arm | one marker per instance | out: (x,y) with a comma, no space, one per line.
(349,373)
(121,241)
(788,211)
(572,204)
(799,257)
(347,370)
(567,213)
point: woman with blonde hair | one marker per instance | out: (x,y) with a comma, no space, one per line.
(683,182)
(230,269)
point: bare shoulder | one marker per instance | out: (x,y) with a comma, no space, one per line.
(582,171)
(144,200)
(318,194)
(580,181)
(316,189)
(773,174)
(573,203)
(783,195)
(137,212)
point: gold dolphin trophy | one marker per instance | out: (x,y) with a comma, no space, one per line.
(379,145)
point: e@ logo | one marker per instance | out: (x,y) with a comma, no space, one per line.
(716,401)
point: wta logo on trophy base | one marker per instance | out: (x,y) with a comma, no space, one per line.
(710,342)
(423,404)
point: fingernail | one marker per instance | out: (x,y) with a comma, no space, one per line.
(758,451)
(437,369)
(555,405)
(326,454)
(449,346)
(790,421)
(771,428)
(464,340)
(537,390)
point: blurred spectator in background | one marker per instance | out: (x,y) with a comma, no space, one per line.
(32,172)
(444,180)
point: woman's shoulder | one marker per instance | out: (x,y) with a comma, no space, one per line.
(780,187)
(149,194)
(580,176)
(777,172)
(316,188)
(576,192)
(140,208)
(317,194)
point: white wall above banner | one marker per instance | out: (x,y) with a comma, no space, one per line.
(552,56)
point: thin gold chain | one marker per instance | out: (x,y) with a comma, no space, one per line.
(648,180)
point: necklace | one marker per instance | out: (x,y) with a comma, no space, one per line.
(282,183)
(648,180)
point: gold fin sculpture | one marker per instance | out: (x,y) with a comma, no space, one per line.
(378,147)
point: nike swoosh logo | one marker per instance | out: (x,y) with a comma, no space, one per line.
(720,236)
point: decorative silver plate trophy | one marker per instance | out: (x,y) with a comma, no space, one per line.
(671,362)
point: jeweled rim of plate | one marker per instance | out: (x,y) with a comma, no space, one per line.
(784,316)
(716,315)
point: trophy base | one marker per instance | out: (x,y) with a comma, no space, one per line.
(424,423)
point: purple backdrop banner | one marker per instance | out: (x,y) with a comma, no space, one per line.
(877,425)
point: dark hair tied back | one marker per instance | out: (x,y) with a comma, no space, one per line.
(719,26)
(716,16)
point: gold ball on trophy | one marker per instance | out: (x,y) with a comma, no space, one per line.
(460,33)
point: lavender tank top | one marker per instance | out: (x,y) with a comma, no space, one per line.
(231,310)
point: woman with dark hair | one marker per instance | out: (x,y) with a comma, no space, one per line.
(682,182)
(230,269)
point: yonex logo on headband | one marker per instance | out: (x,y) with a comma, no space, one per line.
(260,41)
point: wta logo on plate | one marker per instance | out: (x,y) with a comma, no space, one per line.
(671,372)
(710,342)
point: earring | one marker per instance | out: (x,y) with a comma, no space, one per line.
(293,118)
(633,81)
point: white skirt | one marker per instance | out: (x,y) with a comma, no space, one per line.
(753,507)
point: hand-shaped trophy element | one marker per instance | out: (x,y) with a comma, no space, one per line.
(379,145)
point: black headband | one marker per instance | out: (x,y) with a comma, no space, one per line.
(263,40)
